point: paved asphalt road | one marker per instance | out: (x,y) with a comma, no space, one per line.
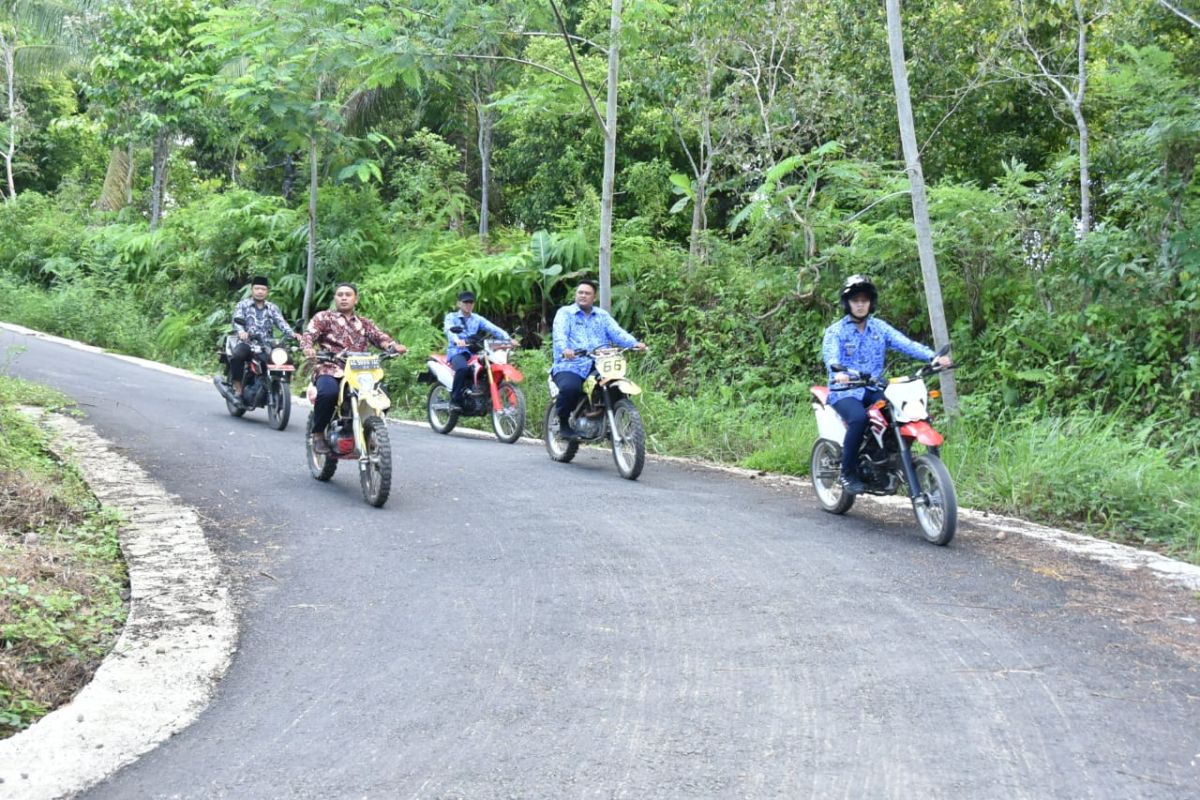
(508,627)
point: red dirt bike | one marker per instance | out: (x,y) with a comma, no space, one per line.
(886,461)
(493,390)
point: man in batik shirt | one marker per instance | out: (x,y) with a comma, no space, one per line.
(260,318)
(336,330)
(579,328)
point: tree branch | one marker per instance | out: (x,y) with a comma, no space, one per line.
(1178,13)
(562,25)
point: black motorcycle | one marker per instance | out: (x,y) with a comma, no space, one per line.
(266,380)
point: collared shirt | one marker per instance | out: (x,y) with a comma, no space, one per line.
(864,351)
(575,330)
(262,320)
(331,330)
(470,326)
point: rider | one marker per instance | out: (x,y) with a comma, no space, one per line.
(457,350)
(859,341)
(580,327)
(336,330)
(261,318)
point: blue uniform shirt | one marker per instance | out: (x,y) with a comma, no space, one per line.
(864,351)
(470,326)
(574,330)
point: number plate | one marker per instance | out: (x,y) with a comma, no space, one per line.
(611,366)
(360,363)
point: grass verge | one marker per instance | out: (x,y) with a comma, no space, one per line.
(63,584)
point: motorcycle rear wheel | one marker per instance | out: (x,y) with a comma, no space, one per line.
(508,423)
(559,449)
(938,517)
(320,466)
(279,405)
(441,418)
(630,454)
(825,466)
(376,479)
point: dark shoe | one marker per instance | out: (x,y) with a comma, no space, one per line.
(321,444)
(569,434)
(852,484)
(226,392)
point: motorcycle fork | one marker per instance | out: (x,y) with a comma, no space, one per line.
(360,439)
(493,390)
(906,460)
(612,421)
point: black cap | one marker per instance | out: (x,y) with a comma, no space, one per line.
(466,297)
(259,280)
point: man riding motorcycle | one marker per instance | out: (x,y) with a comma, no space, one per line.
(468,324)
(336,330)
(261,317)
(580,328)
(859,342)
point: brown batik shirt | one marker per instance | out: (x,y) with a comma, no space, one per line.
(335,332)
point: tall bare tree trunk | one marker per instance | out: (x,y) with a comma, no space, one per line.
(10,147)
(610,159)
(486,118)
(310,275)
(912,159)
(158,186)
(129,173)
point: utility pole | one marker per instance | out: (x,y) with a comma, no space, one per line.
(610,159)
(920,203)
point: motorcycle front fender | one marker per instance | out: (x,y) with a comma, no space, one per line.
(625,387)
(375,401)
(923,432)
(506,372)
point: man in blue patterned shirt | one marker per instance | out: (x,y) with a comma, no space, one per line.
(457,350)
(260,318)
(859,342)
(580,328)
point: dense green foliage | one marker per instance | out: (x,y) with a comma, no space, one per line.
(756,167)
(61,573)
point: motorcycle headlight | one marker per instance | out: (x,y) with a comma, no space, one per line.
(279,356)
(366,382)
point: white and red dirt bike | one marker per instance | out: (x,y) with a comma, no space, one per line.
(493,390)
(886,460)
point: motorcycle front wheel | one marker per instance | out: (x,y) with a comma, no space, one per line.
(628,439)
(441,418)
(824,468)
(935,505)
(320,466)
(508,421)
(279,405)
(376,476)
(559,449)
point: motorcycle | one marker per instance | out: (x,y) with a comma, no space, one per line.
(886,460)
(358,431)
(266,380)
(497,396)
(605,411)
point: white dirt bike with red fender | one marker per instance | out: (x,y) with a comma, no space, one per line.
(886,460)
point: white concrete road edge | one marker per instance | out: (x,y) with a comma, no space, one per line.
(177,642)
(158,679)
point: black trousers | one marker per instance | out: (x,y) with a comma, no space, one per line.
(237,361)
(570,389)
(327,392)
(462,376)
(854,412)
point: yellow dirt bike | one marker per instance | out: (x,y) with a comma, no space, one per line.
(605,410)
(358,430)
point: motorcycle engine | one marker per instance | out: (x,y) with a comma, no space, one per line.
(475,404)
(588,428)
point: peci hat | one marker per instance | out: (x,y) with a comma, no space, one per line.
(466,297)
(259,280)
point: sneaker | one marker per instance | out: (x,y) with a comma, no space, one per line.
(320,444)
(852,484)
